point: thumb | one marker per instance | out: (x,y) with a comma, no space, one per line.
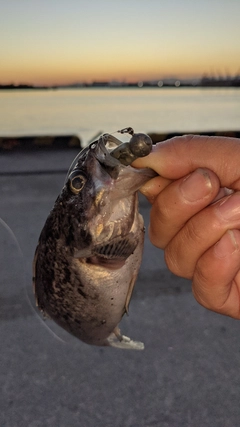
(179,156)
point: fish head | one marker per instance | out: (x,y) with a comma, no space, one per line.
(100,195)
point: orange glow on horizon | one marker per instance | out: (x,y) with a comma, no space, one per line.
(96,69)
(47,45)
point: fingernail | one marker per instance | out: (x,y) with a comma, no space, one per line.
(227,245)
(229,208)
(196,186)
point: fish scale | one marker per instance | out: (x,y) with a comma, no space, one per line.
(90,249)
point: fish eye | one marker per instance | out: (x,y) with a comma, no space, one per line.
(77,182)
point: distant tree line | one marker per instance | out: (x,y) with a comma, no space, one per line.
(203,82)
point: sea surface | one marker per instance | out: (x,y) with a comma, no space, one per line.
(86,112)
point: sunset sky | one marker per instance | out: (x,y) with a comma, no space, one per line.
(65,41)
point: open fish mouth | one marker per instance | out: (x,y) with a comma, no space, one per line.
(110,151)
(139,145)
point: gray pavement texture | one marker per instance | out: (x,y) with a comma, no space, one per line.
(187,376)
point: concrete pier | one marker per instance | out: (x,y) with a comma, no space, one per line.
(187,376)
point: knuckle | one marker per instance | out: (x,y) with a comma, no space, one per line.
(192,234)
(155,239)
(200,288)
(200,281)
(173,262)
(163,209)
(182,144)
(180,254)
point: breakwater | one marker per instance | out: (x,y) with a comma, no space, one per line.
(56,142)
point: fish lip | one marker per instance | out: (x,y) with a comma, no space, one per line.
(103,156)
(99,150)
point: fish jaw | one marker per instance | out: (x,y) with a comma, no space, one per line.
(126,180)
(114,200)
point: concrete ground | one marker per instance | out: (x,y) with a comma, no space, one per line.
(187,376)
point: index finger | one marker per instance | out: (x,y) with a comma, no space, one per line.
(180,156)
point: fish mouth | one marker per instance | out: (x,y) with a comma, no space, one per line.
(100,150)
(112,152)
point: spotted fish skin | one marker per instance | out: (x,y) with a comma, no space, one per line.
(90,249)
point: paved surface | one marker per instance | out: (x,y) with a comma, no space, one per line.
(188,375)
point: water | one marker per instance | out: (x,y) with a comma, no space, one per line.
(86,112)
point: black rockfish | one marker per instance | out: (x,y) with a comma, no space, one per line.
(90,249)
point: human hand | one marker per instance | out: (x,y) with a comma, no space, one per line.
(195,219)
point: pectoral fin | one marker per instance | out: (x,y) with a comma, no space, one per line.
(130,291)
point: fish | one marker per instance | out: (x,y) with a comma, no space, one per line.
(90,249)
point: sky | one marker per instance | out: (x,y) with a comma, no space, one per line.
(48,42)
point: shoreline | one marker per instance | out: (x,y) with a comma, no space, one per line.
(68,142)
